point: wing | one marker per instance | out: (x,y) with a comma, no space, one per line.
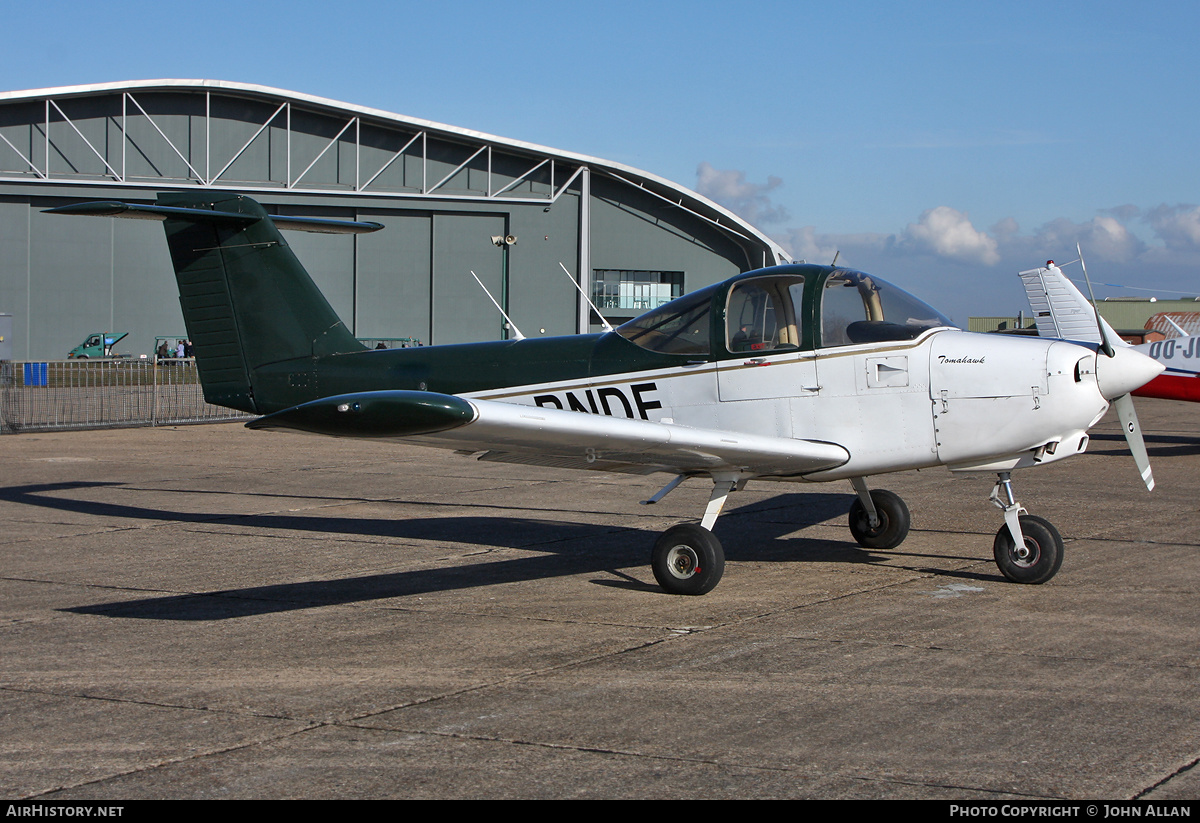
(507,432)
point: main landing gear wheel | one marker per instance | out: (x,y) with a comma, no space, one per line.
(1035,562)
(894,521)
(688,559)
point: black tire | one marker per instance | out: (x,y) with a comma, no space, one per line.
(1041,558)
(688,559)
(894,521)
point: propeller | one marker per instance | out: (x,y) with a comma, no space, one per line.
(1124,371)
(1105,344)
(1133,436)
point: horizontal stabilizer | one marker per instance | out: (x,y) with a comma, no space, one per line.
(140,211)
(373,414)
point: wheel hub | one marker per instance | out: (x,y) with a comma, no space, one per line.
(1026,555)
(683,562)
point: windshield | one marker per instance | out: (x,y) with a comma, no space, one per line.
(679,327)
(860,308)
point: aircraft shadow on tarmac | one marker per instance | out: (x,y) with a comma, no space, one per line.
(757,532)
(1157,445)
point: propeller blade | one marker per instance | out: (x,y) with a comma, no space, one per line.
(1105,344)
(1133,436)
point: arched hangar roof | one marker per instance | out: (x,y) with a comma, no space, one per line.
(211,133)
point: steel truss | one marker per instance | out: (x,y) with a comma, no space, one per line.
(412,144)
(434,158)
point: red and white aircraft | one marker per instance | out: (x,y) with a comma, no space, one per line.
(1181,357)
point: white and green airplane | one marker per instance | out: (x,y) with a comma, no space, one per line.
(797,373)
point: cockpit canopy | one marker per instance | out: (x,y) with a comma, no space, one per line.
(784,308)
(860,308)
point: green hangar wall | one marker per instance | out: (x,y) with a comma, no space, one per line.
(453,201)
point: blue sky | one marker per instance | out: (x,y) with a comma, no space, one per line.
(943,146)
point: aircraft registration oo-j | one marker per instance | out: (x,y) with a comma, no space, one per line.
(796,372)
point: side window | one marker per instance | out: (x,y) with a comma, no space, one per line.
(760,315)
(751,321)
(841,305)
(679,327)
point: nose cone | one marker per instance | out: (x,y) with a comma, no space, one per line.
(1125,371)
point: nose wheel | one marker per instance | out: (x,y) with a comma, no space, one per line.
(1038,557)
(1027,549)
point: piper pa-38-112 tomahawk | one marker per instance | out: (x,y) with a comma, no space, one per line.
(792,373)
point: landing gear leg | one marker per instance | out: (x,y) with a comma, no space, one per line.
(1027,549)
(688,558)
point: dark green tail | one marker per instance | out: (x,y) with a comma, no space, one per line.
(247,302)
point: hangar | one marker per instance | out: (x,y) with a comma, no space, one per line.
(453,200)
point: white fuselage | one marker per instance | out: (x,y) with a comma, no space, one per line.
(968,401)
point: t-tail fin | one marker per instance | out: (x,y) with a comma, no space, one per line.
(247,301)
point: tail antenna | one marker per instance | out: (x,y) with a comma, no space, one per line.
(607,326)
(507,319)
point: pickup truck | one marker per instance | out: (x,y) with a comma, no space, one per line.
(98,344)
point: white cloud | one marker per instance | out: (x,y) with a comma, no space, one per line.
(945,259)
(1108,239)
(1177,226)
(1103,238)
(805,244)
(808,245)
(1123,213)
(947,232)
(1006,229)
(749,201)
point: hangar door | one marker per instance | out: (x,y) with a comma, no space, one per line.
(460,311)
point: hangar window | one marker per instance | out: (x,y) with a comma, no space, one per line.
(635,291)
